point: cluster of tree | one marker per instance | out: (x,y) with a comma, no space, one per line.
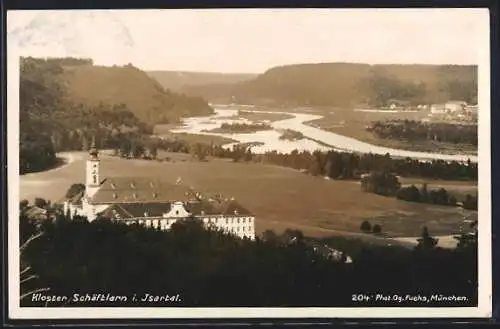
(138,147)
(366,227)
(291,135)
(387,184)
(242,127)
(345,165)
(411,130)
(386,88)
(470,202)
(381,182)
(436,196)
(36,153)
(347,84)
(333,164)
(208,268)
(70,61)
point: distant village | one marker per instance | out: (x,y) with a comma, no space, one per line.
(450,111)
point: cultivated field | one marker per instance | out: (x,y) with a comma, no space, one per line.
(280,197)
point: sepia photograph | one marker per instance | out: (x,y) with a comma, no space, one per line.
(249,163)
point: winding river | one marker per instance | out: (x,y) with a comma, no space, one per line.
(315,138)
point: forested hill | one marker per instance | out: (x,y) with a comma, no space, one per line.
(142,95)
(66,102)
(346,84)
(180,81)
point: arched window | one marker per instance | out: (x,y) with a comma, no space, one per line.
(94,178)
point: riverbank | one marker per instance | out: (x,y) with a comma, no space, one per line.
(314,138)
(354,123)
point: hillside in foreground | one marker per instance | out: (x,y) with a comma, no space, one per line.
(348,85)
(179,81)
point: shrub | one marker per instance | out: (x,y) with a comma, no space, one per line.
(366,226)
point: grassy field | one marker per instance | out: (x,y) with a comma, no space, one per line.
(164,131)
(280,197)
(353,124)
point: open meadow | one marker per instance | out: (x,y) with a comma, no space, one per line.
(279,197)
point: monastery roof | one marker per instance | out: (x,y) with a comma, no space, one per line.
(231,207)
(202,208)
(140,190)
(134,210)
(157,209)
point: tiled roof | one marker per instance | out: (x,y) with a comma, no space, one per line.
(231,207)
(201,208)
(157,209)
(140,190)
(134,210)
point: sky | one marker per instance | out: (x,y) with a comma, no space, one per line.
(252,41)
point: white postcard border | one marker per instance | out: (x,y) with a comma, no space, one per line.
(484,308)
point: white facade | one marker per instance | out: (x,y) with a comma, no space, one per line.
(438,109)
(453,107)
(241,225)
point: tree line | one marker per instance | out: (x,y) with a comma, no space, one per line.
(332,164)
(209,268)
(435,196)
(412,130)
(347,84)
(387,184)
(242,127)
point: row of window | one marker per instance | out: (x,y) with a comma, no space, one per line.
(166,223)
(153,223)
(229,220)
(237,229)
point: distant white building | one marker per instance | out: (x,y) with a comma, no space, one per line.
(438,109)
(455,106)
(154,203)
(472,108)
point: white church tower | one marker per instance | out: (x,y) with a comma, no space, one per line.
(92,179)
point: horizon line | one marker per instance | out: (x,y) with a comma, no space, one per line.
(241,72)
